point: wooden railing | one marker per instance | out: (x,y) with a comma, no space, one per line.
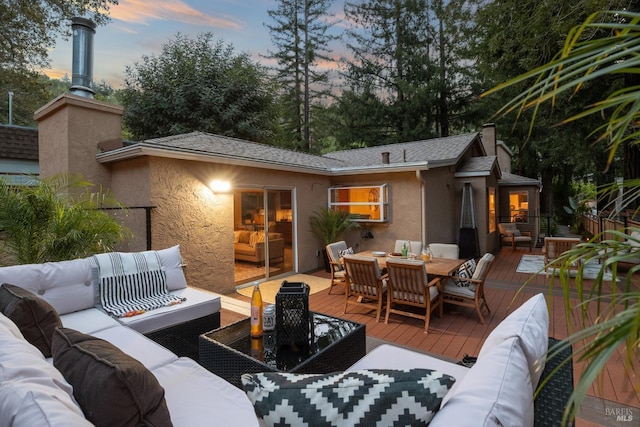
(596,224)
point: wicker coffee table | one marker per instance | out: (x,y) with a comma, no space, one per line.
(334,345)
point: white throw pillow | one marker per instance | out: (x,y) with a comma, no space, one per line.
(497,391)
(171,262)
(530,324)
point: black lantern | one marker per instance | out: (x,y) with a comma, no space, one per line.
(292,314)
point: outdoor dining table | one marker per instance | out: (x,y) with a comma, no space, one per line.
(435,267)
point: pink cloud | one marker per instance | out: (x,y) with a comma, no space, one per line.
(141,11)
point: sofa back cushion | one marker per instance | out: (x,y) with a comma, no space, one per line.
(71,285)
(32,391)
(497,391)
(66,285)
(171,262)
(530,325)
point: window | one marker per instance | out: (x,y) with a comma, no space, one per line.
(519,206)
(492,209)
(364,203)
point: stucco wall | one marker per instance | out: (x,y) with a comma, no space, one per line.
(69,130)
(189,214)
(442,206)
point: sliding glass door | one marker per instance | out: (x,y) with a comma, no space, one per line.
(263,233)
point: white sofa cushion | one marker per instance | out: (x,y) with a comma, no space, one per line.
(198,303)
(388,356)
(88,321)
(196,397)
(171,261)
(7,326)
(496,391)
(36,403)
(66,285)
(136,345)
(32,392)
(530,324)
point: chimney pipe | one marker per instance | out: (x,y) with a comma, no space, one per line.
(82,66)
(385,158)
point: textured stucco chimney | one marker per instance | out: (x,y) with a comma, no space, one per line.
(385,158)
(82,66)
(489,140)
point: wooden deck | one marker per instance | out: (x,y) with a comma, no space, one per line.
(459,332)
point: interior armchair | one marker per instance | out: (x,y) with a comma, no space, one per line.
(512,236)
(365,282)
(408,286)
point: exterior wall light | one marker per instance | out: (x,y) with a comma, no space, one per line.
(219,186)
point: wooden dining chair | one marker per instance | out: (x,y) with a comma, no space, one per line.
(469,292)
(409,287)
(334,251)
(366,284)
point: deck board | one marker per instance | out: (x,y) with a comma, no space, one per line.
(459,331)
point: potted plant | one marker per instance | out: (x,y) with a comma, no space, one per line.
(328,225)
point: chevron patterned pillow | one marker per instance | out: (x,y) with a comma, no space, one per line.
(381,397)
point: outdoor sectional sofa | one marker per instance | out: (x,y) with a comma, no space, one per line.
(163,388)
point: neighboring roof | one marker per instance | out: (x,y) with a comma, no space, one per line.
(515,180)
(18,142)
(478,166)
(209,147)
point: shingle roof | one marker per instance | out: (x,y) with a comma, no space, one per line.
(477,165)
(511,179)
(223,146)
(437,151)
(18,142)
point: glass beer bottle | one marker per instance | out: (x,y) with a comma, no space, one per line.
(256,312)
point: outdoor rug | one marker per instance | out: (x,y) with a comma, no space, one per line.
(533,264)
(269,289)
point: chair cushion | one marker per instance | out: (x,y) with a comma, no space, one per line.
(462,291)
(376,397)
(35,317)
(482,266)
(111,387)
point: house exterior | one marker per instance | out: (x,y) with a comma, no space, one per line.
(18,154)
(409,191)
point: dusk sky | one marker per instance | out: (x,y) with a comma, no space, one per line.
(140,27)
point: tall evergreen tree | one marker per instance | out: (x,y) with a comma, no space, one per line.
(413,55)
(300,34)
(517,36)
